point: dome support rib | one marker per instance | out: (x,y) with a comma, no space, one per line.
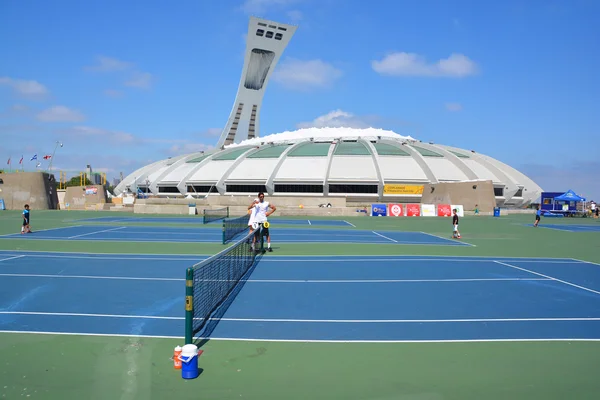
(375,157)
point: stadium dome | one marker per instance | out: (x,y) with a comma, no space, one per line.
(348,162)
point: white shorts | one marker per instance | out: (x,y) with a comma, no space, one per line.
(455,228)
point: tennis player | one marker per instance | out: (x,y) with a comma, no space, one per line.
(538,213)
(455,231)
(262,211)
(25,228)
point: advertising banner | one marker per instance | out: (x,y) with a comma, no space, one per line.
(428,210)
(459,209)
(444,210)
(378,210)
(396,210)
(413,210)
(402,189)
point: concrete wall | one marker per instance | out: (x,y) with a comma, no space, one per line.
(82,197)
(38,189)
(469,194)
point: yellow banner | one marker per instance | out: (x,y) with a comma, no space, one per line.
(402,189)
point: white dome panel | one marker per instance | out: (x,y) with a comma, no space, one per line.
(157,172)
(211,171)
(444,170)
(302,169)
(481,171)
(352,168)
(179,173)
(253,169)
(399,169)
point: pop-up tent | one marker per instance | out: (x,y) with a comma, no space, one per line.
(570,196)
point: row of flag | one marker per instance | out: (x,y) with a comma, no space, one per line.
(46,157)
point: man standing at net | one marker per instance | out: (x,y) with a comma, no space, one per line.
(261,214)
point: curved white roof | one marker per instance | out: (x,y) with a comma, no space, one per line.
(321,161)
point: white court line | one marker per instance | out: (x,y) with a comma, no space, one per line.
(134,278)
(449,240)
(59,314)
(326,321)
(350,224)
(586,262)
(12,258)
(425,341)
(123,257)
(95,232)
(309,221)
(385,237)
(43,230)
(547,276)
(131,278)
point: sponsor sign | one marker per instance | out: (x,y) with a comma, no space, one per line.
(378,210)
(396,210)
(402,189)
(428,210)
(413,210)
(444,210)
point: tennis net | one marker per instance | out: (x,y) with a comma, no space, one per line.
(214,215)
(234,226)
(209,283)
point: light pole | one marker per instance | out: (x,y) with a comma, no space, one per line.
(53,153)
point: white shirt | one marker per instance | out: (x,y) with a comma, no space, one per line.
(252,215)
(593,206)
(260,215)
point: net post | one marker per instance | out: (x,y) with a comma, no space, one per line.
(189,305)
(204,216)
(223,234)
(227,211)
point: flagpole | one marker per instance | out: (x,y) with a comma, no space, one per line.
(54,152)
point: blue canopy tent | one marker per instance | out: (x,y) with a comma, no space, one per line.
(568,197)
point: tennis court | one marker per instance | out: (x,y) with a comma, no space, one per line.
(513,312)
(309,298)
(572,227)
(198,220)
(214,235)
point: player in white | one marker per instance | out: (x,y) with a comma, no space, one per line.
(261,214)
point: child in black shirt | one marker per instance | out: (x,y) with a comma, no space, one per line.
(455,232)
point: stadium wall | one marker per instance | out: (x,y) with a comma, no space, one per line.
(80,197)
(38,189)
(472,194)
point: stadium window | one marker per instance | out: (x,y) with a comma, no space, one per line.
(198,188)
(1,181)
(519,193)
(498,191)
(246,188)
(353,189)
(282,28)
(278,36)
(168,189)
(260,32)
(269,34)
(262,24)
(290,188)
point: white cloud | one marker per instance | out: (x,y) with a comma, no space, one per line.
(109,64)
(140,80)
(212,132)
(453,107)
(107,136)
(25,88)
(60,114)
(188,148)
(261,6)
(305,75)
(295,15)
(335,119)
(411,64)
(113,93)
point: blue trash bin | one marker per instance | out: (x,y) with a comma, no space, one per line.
(496,211)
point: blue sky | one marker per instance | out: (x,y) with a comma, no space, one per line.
(122,84)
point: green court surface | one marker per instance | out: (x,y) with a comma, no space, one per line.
(53,366)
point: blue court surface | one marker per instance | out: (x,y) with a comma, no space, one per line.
(570,228)
(214,235)
(397,298)
(198,220)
